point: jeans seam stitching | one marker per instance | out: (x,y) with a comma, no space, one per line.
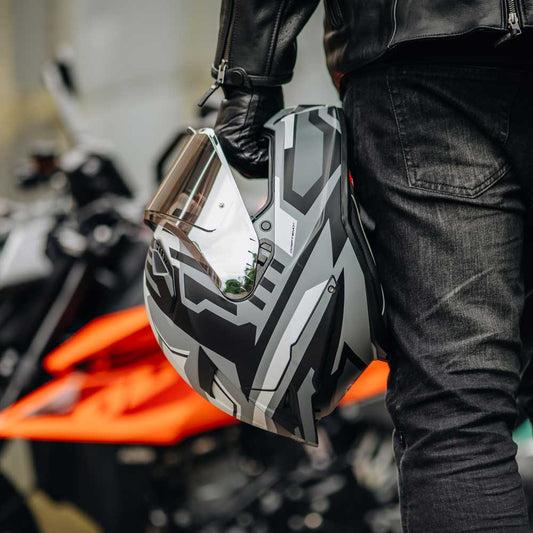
(411,169)
(397,127)
(455,190)
(449,71)
(509,112)
(404,504)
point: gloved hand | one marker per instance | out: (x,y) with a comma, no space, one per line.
(239,126)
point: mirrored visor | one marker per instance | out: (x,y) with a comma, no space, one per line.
(184,191)
(200,203)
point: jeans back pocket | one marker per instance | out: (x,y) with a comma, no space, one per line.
(453,123)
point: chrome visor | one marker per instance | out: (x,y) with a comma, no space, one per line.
(200,203)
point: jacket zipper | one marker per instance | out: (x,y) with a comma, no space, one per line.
(513,23)
(223,65)
(221,76)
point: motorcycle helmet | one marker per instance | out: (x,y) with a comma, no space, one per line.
(271,316)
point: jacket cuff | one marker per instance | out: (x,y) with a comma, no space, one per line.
(238,77)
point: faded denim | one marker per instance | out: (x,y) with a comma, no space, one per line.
(442,158)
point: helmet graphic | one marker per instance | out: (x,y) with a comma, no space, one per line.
(270,317)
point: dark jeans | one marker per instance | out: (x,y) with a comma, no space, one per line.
(442,157)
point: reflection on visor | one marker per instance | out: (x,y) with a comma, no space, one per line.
(200,203)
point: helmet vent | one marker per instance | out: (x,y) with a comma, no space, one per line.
(161,264)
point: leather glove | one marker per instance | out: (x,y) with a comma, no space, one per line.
(239,127)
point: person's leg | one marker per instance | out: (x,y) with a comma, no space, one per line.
(447,221)
(525,392)
(520,149)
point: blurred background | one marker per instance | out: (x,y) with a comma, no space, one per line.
(140,69)
(97,432)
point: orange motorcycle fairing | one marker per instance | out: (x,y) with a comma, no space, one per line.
(113,384)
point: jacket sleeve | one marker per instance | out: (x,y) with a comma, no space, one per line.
(257,40)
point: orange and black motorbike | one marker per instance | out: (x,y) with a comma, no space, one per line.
(70,256)
(119,433)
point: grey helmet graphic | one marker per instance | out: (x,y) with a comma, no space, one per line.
(270,316)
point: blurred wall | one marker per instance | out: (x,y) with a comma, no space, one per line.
(30,31)
(141,67)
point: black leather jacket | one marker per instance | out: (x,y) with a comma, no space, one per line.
(257,39)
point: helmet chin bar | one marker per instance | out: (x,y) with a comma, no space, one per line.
(199,202)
